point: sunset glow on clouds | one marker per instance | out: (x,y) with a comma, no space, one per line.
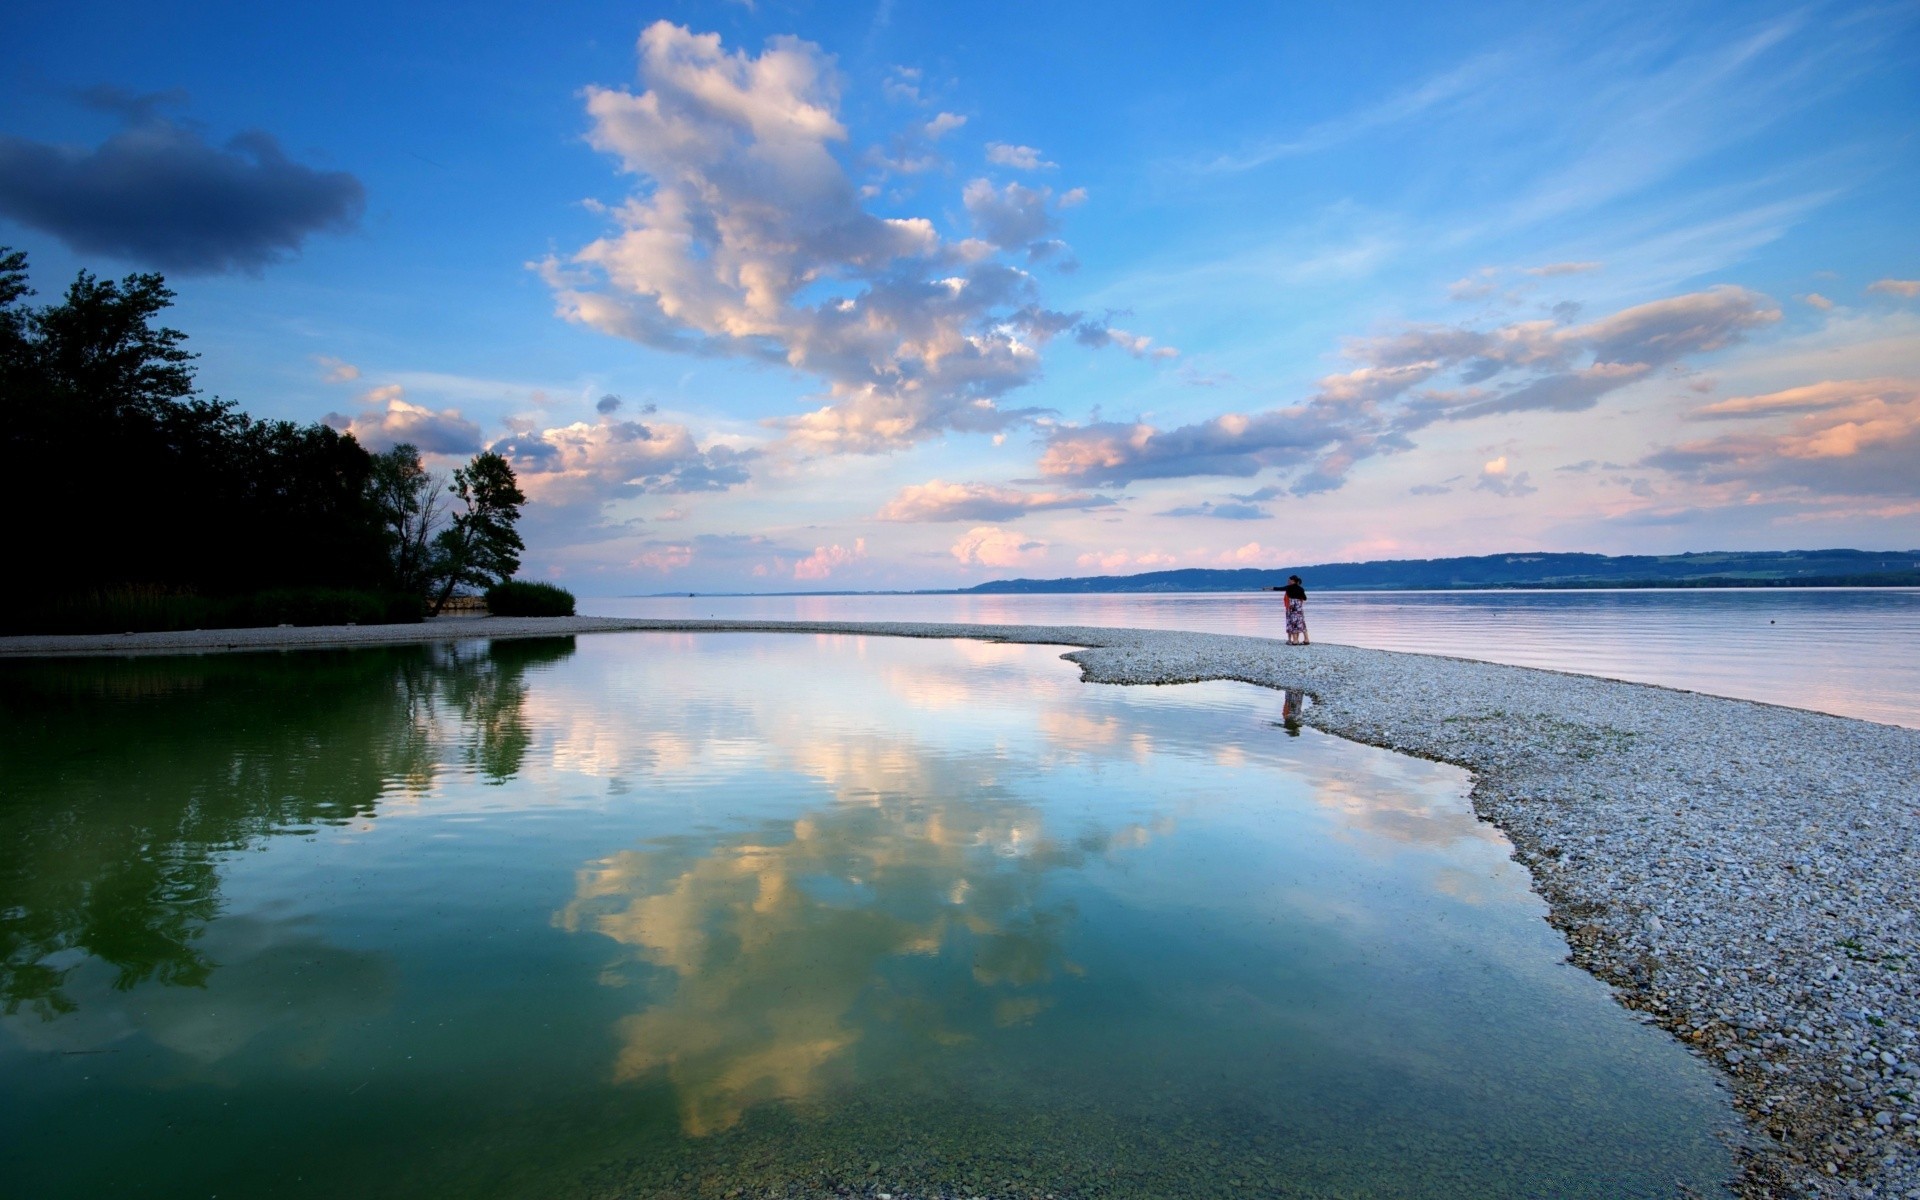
(819,298)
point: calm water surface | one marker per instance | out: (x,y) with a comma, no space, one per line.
(1850,651)
(662,915)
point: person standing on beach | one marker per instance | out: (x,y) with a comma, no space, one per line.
(1294,600)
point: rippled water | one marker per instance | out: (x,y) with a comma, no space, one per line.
(1850,651)
(661,915)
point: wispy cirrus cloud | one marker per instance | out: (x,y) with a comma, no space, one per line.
(937,500)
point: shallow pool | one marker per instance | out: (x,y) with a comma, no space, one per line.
(661,915)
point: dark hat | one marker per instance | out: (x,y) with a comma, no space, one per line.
(1293,579)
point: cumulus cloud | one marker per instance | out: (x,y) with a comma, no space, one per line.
(1908,288)
(392,420)
(159,194)
(749,240)
(1816,300)
(937,500)
(825,560)
(1845,438)
(611,458)
(1375,408)
(991,546)
(1020,158)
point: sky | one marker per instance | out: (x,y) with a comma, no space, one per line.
(778,296)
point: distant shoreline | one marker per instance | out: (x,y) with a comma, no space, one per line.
(1654,586)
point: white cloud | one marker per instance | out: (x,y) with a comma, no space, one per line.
(750,241)
(1909,288)
(1020,158)
(991,546)
(394,420)
(1816,300)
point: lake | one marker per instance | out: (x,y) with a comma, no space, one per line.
(1850,651)
(710,915)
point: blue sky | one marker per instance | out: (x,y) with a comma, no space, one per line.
(901,295)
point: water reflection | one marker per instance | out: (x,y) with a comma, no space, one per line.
(131,780)
(781,948)
(759,912)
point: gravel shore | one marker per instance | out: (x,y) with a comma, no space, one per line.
(1743,874)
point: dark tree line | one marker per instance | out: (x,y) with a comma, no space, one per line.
(133,482)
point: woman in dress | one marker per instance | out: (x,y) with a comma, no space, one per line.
(1294,600)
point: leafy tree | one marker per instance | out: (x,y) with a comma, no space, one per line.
(480,546)
(410,504)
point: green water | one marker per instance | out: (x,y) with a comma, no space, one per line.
(658,915)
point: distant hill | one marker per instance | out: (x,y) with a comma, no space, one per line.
(1778,568)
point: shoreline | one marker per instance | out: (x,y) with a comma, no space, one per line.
(1740,873)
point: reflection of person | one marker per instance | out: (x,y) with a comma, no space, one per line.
(1291,703)
(1294,599)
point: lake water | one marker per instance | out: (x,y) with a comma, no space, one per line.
(1850,651)
(675,915)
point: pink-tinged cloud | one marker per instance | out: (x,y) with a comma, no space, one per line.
(1116,559)
(1847,438)
(395,421)
(1814,397)
(572,472)
(663,559)
(1908,288)
(937,500)
(825,560)
(990,546)
(335,370)
(1816,300)
(1253,554)
(1525,366)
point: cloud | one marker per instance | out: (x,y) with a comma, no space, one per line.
(1012,217)
(1846,438)
(990,546)
(1096,332)
(1224,512)
(1550,270)
(1523,366)
(937,500)
(942,125)
(1816,300)
(574,471)
(1020,158)
(663,557)
(159,194)
(1250,555)
(825,560)
(1496,478)
(748,240)
(335,370)
(394,420)
(1429,489)
(1114,560)
(1908,288)
(1814,397)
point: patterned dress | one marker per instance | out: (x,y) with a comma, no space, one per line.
(1296,617)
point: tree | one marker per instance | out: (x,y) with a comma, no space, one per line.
(410,504)
(480,547)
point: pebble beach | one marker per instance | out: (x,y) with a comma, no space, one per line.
(1744,875)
